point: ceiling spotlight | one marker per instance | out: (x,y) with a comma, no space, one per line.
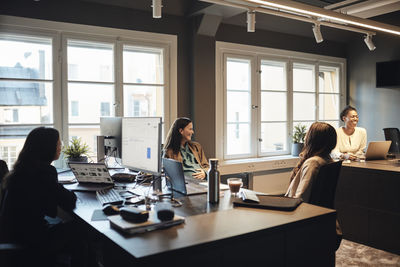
(157,5)
(369,43)
(316,28)
(251,21)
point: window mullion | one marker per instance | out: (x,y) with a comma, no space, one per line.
(118,78)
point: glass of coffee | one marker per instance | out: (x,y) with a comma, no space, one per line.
(234,185)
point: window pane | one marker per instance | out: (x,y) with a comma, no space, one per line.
(25,57)
(143,101)
(238,106)
(329,107)
(303,106)
(85,101)
(273,76)
(143,65)
(238,74)
(238,138)
(274,137)
(273,106)
(328,78)
(303,78)
(26,103)
(90,61)
(88,135)
(335,124)
(11,142)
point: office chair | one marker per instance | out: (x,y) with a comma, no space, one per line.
(323,191)
(393,134)
(9,252)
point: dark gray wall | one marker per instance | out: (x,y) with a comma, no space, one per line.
(378,107)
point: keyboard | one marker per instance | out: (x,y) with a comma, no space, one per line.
(109,196)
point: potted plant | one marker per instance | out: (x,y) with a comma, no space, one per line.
(298,139)
(77,151)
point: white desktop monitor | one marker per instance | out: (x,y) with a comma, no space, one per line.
(141,144)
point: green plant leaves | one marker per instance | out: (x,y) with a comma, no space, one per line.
(76,148)
(299,133)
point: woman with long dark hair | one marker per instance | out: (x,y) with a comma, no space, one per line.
(32,192)
(179,146)
(319,142)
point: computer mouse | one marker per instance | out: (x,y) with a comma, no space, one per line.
(110,209)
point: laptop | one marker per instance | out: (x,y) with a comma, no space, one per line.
(377,150)
(90,177)
(178,181)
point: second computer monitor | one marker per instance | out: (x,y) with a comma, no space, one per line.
(110,128)
(141,144)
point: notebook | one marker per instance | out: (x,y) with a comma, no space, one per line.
(177,180)
(271,202)
(377,150)
(90,177)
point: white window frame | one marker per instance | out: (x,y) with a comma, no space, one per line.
(224,49)
(60,31)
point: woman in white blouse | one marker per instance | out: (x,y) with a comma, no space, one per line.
(351,140)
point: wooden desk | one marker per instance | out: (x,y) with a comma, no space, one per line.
(368,203)
(220,235)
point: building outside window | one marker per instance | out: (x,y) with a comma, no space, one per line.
(266,92)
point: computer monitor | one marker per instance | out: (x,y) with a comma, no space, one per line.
(110,129)
(141,144)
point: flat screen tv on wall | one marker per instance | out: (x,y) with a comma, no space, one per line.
(388,74)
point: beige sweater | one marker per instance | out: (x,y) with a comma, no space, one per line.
(300,186)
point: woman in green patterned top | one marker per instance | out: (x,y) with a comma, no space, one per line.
(179,146)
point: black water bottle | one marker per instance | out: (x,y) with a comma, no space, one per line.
(213,182)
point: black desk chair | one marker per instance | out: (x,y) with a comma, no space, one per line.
(323,191)
(324,185)
(393,134)
(11,254)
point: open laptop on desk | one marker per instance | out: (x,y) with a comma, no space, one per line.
(177,180)
(90,177)
(377,150)
(187,185)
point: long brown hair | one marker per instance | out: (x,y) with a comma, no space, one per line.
(174,137)
(320,140)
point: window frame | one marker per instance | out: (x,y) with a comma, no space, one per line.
(268,54)
(59,32)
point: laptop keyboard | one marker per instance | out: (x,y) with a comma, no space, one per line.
(109,196)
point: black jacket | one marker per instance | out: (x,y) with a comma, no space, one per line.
(32,192)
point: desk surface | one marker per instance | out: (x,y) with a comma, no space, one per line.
(205,223)
(384,165)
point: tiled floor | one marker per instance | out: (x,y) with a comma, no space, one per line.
(352,254)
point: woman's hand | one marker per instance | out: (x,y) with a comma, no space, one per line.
(201,174)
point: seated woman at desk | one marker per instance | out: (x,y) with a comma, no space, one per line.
(319,142)
(31,192)
(179,146)
(351,140)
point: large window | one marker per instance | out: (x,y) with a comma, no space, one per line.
(267,92)
(70,75)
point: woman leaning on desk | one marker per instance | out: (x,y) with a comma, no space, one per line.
(179,146)
(32,192)
(351,140)
(319,142)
